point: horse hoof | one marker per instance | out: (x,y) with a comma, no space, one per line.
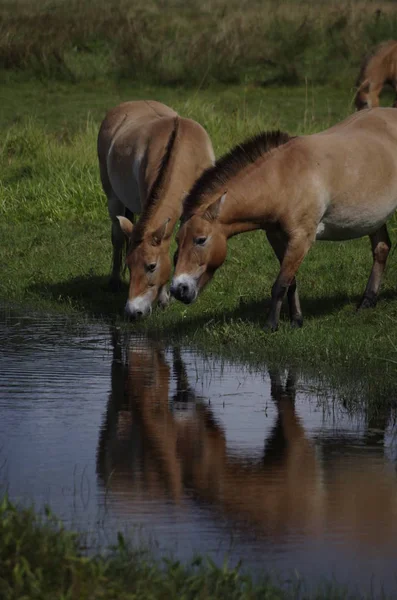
(297,323)
(270,327)
(368,301)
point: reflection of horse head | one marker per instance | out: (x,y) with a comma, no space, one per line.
(147,443)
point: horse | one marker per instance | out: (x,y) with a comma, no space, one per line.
(378,69)
(148,158)
(338,184)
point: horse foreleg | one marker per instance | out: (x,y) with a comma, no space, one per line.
(381,244)
(119,240)
(118,244)
(279,242)
(295,252)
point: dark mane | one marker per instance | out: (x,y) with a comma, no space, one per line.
(155,191)
(230,164)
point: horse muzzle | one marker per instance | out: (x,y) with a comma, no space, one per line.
(138,308)
(184,289)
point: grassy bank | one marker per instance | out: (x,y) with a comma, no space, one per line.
(55,249)
(174,42)
(40,560)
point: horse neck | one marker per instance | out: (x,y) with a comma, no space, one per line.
(238,215)
(182,171)
(256,196)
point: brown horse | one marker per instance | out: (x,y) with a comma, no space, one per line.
(339,184)
(149,158)
(378,69)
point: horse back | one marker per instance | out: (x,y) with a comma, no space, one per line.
(131,143)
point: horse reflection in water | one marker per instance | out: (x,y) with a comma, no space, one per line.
(157,447)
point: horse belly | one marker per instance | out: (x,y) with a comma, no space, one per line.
(127,190)
(339,225)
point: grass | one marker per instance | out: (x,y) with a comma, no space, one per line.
(40,560)
(195,43)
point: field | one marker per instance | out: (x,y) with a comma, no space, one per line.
(237,68)
(289,65)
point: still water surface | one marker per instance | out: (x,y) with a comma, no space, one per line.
(191,454)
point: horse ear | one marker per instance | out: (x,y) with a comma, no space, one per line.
(126,226)
(212,212)
(158,235)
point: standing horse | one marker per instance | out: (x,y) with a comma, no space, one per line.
(149,157)
(339,184)
(378,69)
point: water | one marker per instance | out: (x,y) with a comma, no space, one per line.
(188,454)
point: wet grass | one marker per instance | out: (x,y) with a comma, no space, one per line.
(40,560)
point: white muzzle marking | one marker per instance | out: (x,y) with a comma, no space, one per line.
(140,306)
(184,287)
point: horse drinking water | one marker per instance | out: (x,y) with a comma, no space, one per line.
(149,157)
(339,184)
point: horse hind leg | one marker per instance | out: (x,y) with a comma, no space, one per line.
(381,244)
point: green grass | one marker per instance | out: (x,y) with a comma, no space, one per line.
(40,560)
(195,43)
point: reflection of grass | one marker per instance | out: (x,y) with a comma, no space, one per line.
(168,42)
(41,560)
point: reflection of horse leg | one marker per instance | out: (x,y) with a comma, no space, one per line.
(381,245)
(377,421)
(118,367)
(287,424)
(295,251)
(183,390)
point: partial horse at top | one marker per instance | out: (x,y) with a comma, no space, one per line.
(377,70)
(335,185)
(149,157)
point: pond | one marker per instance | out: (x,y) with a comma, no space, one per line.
(192,454)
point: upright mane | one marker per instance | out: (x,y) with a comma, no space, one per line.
(156,189)
(230,164)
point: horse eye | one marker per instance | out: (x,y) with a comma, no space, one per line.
(200,241)
(151,267)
